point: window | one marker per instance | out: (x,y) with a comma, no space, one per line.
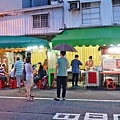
(85,5)
(31,3)
(40,21)
(116,2)
(54,0)
(90,12)
(116,10)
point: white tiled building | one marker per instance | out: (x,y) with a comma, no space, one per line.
(33,18)
(92,13)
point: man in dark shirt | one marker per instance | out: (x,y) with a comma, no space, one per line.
(75,70)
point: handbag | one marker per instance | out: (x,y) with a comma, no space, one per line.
(24,74)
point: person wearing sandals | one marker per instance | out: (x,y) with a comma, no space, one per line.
(29,78)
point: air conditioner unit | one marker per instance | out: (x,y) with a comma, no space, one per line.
(54,2)
(74,5)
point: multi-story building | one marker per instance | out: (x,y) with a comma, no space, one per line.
(90,24)
(49,17)
(45,16)
(28,18)
(7,5)
(45,19)
(91,12)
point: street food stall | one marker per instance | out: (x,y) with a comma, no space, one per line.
(13,46)
(111,63)
(91,78)
(87,41)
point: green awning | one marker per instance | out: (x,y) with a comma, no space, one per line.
(21,42)
(89,36)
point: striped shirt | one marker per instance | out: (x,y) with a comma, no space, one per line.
(2,71)
(19,67)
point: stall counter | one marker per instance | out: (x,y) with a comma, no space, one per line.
(70,74)
(105,73)
(92,78)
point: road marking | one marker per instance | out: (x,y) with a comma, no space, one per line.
(116,116)
(95,116)
(66,116)
(88,116)
(84,100)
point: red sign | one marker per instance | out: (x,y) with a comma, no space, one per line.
(92,77)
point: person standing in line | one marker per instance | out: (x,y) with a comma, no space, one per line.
(29,78)
(61,70)
(18,69)
(75,63)
(12,72)
(89,63)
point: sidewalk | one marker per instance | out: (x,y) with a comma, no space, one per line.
(77,93)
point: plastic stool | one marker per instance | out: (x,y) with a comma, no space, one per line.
(12,84)
(39,84)
(110,84)
(2,84)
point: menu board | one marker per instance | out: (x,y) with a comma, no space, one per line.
(118,63)
(110,64)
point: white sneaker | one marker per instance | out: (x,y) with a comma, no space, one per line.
(35,87)
(63,98)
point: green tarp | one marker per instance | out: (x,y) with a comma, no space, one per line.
(89,36)
(21,42)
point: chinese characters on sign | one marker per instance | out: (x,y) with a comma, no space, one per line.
(111,64)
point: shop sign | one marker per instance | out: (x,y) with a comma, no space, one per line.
(88,116)
(110,51)
(111,64)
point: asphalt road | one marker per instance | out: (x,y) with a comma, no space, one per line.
(17,108)
(81,104)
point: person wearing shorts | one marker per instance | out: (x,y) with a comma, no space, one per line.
(18,69)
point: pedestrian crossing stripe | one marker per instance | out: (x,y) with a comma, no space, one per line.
(88,116)
(116,116)
(65,116)
(95,116)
